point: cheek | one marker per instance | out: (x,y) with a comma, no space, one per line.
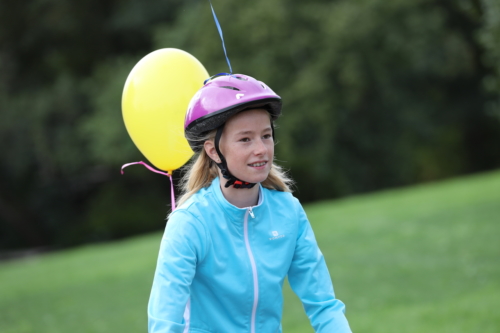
(270,149)
(233,153)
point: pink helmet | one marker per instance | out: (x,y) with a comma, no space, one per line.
(222,97)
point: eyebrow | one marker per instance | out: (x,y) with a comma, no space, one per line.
(250,132)
(244,132)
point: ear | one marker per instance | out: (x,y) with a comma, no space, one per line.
(209,146)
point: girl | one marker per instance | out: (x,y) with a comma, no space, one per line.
(238,231)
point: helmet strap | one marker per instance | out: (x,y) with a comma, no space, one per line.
(231,180)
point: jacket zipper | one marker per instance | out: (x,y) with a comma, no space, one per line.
(254,270)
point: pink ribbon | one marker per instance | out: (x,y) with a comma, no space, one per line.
(150,168)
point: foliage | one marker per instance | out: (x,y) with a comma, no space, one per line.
(377,94)
(421,259)
(62,135)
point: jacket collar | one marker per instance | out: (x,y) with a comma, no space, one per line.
(235,213)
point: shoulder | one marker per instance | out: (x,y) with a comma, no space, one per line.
(187,224)
(281,195)
(282,198)
(195,207)
(283,204)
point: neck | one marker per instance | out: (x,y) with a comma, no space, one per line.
(240,197)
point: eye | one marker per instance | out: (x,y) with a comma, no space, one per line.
(267,136)
(244,139)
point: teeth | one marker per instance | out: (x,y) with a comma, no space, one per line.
(258,164)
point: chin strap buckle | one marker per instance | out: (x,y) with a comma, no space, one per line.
(241,184)
(236,183)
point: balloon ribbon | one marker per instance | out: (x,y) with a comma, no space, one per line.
(221,37)
(150,168)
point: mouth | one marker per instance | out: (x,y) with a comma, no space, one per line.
(258,164)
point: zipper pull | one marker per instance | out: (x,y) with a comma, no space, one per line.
(250,211)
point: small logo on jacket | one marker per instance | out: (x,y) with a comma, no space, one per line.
(276,235)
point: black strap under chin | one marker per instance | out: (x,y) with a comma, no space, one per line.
(231,180)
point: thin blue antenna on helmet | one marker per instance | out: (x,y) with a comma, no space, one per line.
(221,37)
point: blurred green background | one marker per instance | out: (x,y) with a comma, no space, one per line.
(413,260)
(378,94)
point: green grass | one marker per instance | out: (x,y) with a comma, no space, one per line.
(420,259)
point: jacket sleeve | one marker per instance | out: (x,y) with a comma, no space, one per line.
(182,247)
(310,280)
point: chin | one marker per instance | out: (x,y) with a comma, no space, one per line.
(257,178)
(260,180)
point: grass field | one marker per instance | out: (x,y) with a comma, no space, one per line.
(420,259)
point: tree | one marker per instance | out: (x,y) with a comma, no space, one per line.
(377,93)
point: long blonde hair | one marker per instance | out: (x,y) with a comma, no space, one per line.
(200,173)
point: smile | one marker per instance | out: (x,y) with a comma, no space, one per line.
(258,164)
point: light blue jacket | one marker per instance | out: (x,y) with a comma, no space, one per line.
(221,268)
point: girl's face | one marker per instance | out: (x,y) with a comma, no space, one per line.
(248,146)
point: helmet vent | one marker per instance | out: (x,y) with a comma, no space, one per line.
(229,87)
(241,78)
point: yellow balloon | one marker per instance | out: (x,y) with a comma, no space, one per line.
(154,103)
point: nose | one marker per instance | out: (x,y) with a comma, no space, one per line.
(260,147)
